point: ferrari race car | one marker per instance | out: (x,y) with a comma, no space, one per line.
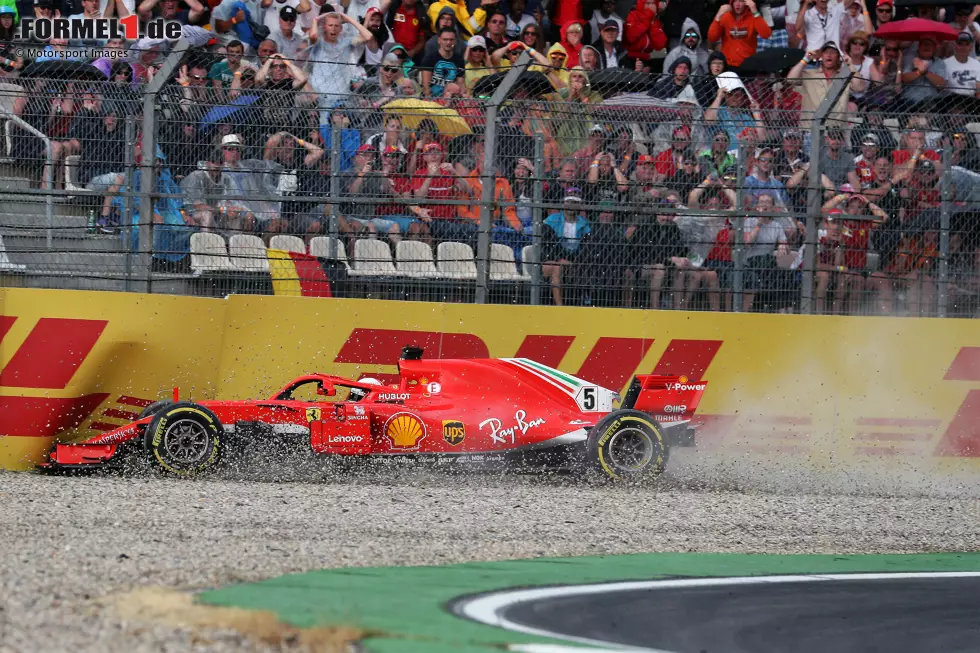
(494,410)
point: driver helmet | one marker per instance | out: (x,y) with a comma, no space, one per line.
(358,393)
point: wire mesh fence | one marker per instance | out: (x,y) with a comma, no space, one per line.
(798,189)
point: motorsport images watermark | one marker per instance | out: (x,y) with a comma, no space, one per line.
(97,29)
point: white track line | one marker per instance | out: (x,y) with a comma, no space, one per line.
(489,609)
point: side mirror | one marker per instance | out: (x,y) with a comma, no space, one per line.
(326,390)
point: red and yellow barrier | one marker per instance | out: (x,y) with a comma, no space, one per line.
(828,389)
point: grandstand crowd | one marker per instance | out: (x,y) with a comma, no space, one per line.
(254,108)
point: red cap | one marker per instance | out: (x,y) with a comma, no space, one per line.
(645,158)
(392,149)
(890,3)
(515,45)
(432,147)
(367,147)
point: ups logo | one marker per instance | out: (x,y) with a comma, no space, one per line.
(453,432)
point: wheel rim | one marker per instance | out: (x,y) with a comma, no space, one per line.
(186,441)
(630,449)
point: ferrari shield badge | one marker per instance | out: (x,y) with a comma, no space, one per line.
(404,430)
(453,432)
(312,414)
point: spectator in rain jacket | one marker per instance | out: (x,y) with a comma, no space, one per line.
(690,47)
(675,81)
(738,26)
(643,33)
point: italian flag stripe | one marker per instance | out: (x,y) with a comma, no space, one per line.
(551,373)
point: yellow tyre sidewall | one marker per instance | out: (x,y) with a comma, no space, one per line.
(648,427)
(166,417)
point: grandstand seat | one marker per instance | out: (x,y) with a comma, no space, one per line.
(527,258)
(248,253)
(372,258)
(6,265)
(320,248)
(288,243)
(456,260)
(413,258)
(71,174)
(209,253)
(503,267)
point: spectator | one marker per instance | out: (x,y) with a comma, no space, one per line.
(478,63)
(589,59)
(706,86)
(471,23)
(366,182)
(690,47)
(605,181)
(740,110)
(572,36)
(855,19)
(397,189)
(10,60)
(884,13)
(819,24)
(518,21)
(439,181)
(923,74)
(602,14)
(964,20)
(864,163)
(836,163)
(676,81)
(612,54)
(562,239)
(172,224)
(764,235)
(859,217)
(561,186)
(659,255)
(643,33)
(168,10)
(369,54)
(495,35)
(446,18)
(201,189)
(714,273)
(718,161)
(603,258)
(532,37)
(289,40)
(330,56)
(409,25)
(761,179)
(100,140)
(815,84)
(392,81)
(855,48)
(886,78)
(223,72)
(50,112)
(962,69)
(739,26)
(687,175)
(444,67)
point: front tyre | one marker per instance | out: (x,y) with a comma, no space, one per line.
(184,439)
(627,445)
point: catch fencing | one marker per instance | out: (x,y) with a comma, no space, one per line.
(621,189)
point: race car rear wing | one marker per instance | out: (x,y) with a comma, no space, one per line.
(669,399)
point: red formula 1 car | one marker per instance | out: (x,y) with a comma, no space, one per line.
(495,410)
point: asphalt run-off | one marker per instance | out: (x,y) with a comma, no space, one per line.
(899,613)
(677,602)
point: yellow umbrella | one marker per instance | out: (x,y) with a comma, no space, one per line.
(412,111)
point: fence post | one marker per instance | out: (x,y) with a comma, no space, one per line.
(334,227)
(537,219)
(738,251)
(944,218)
(814,192)
(489,177)
(147,164)
(126,219)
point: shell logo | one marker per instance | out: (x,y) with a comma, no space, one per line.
(682,379)
(405,431)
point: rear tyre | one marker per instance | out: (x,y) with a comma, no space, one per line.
(155,408)
(626,445)
(184,439)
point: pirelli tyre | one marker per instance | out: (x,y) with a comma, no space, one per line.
(626,445)
(155,408)
(184,439)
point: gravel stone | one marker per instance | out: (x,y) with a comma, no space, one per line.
(68,541)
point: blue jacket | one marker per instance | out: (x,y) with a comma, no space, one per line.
(171,239)
(555,244)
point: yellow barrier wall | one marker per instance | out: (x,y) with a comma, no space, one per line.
(829,389)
